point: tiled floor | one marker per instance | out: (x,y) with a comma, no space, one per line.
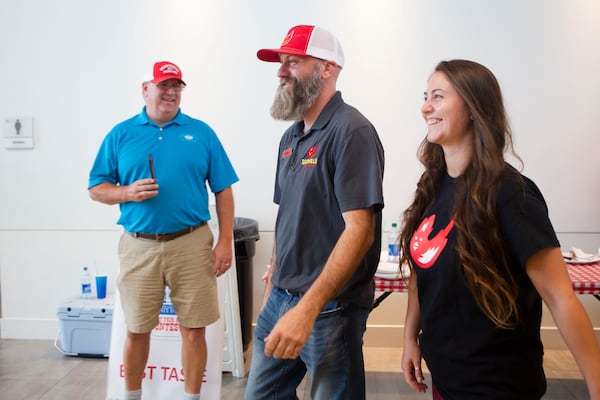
(34,369)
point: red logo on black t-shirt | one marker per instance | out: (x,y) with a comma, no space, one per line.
(425,251)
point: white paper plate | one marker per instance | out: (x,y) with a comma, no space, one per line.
(584,261)
(389,270)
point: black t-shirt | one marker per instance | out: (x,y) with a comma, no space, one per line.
(469,358)
(335,167)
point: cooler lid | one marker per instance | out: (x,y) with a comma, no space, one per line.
(86,308)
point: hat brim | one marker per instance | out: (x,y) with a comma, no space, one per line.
(272,55)
(166,78)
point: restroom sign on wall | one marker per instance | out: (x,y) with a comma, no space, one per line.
(18,132)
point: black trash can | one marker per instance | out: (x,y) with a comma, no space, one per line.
(245,234)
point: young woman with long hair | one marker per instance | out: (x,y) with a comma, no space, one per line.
(483,255)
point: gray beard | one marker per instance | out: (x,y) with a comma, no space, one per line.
(291,105)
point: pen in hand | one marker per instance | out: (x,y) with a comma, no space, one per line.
(151,166)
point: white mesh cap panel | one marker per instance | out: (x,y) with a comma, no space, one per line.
(324,45)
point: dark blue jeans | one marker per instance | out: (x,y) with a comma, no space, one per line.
(332,356)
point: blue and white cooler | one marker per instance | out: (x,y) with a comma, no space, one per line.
(85,326)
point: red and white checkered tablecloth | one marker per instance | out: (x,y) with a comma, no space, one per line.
(585,278)
(391,285)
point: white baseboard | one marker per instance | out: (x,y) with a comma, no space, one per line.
(392,336)
(375,336)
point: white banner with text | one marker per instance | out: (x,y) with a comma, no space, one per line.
(163,377)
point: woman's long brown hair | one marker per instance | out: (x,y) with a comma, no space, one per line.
(481,249)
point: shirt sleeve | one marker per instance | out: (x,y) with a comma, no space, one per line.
(524,219)
(359,170)
(105,167)
(221,174)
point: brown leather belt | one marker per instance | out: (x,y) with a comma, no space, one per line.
(165,237)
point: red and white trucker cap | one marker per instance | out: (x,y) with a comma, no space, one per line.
(307,40)
(164,70)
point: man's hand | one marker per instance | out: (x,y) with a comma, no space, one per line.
(109,193)
(290,334)
(222,256)
(140,190)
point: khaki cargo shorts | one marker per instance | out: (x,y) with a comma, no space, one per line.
(184,264)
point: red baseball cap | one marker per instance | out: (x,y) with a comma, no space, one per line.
(164,70)
(307,40)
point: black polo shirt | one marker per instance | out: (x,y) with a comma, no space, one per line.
(336,166)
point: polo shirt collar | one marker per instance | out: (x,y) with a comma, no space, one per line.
(143,118)
(324,117)
(327,112)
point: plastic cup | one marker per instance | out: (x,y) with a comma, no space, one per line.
(101,286)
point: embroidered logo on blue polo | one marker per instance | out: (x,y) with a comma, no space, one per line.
(188,137)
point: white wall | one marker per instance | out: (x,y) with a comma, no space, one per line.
(75,67)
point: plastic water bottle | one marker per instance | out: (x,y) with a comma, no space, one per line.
(393,244)
(86,284)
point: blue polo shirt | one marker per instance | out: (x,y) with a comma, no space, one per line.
(187,155)
(335,167)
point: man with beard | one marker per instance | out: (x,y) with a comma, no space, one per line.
(328,232)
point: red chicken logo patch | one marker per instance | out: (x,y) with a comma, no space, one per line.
(426,251)
(312,151)
(311,161)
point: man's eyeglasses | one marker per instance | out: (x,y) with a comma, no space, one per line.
(164,86)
